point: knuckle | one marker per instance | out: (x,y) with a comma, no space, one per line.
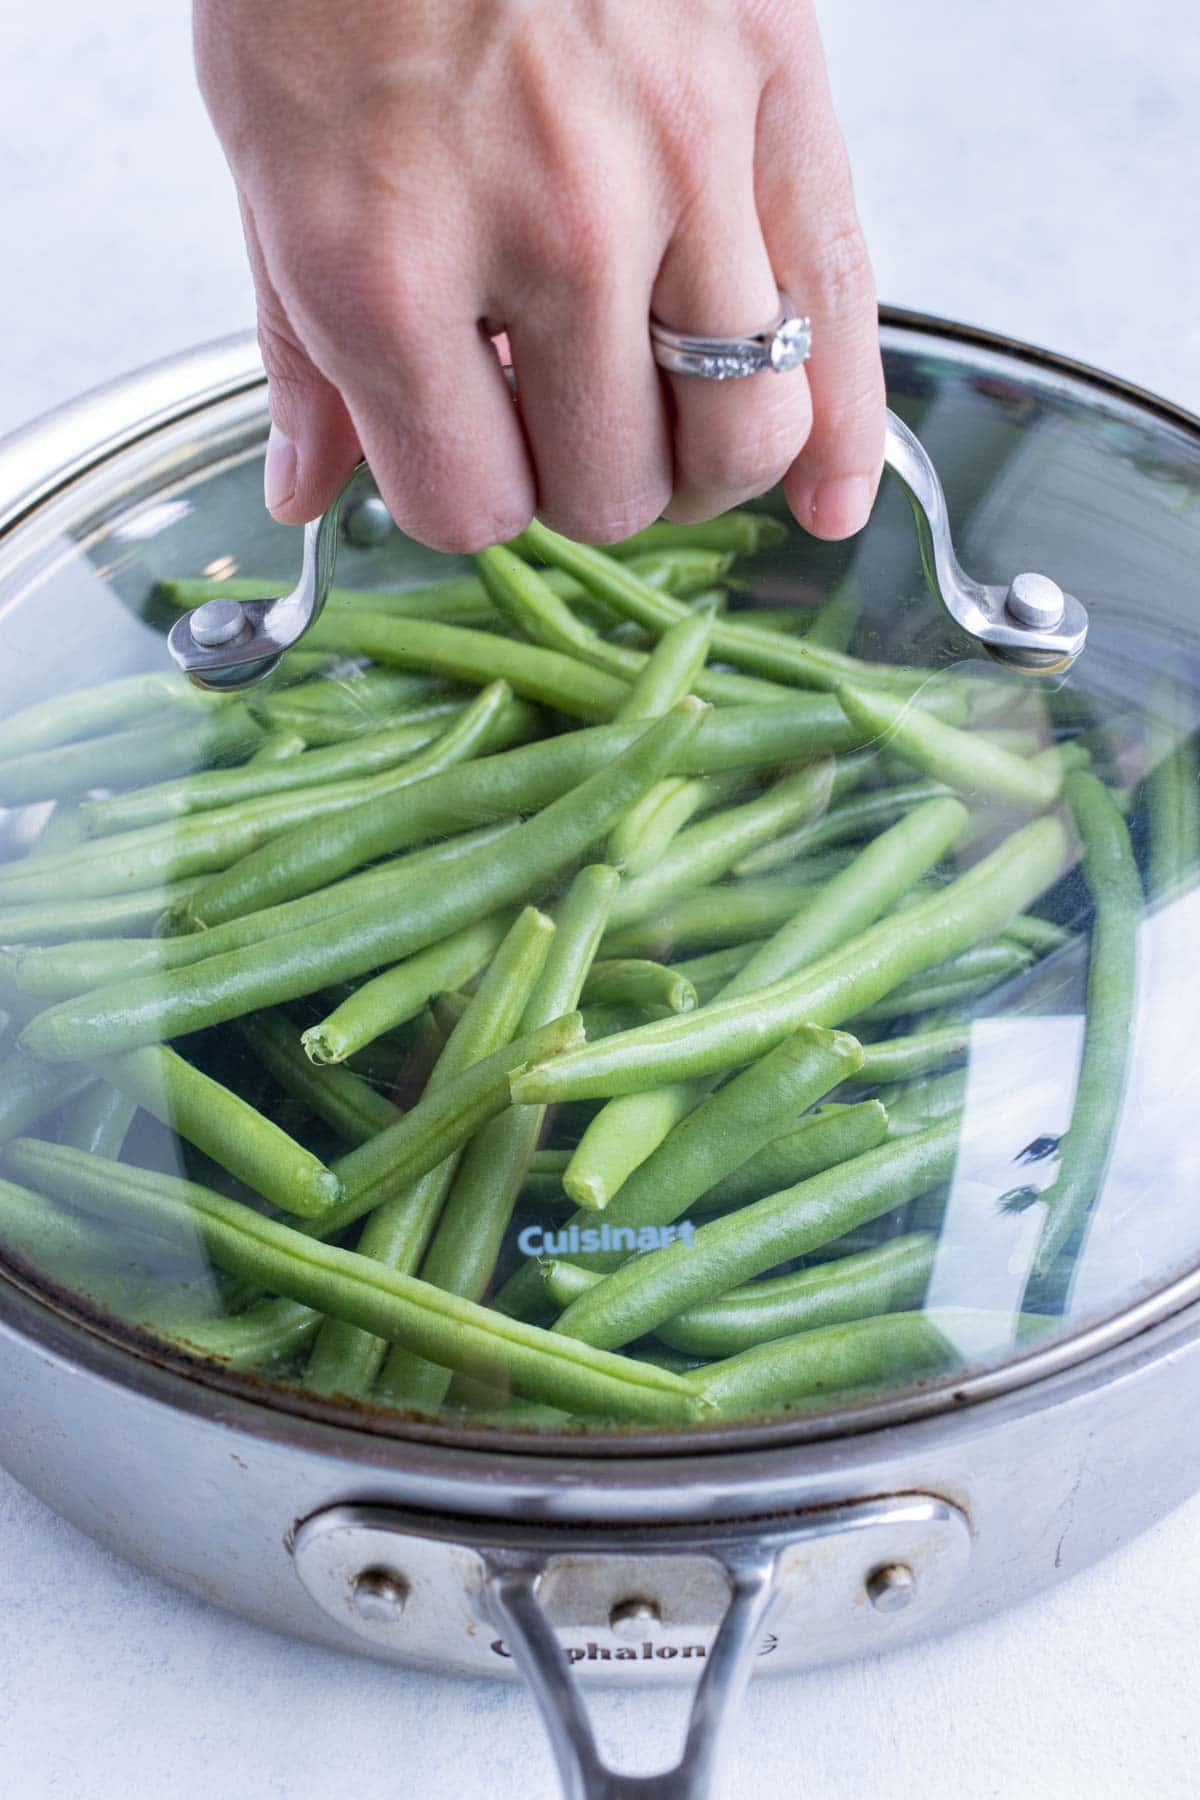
(470,533)
(574,242)
(443,517)
(345,294)
(605,522)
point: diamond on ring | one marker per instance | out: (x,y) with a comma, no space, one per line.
(781,346)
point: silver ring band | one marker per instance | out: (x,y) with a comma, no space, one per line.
(782,345)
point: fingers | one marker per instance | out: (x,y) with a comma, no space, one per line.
(733,439)
(312,446)
(810,223)
(592,404)
(360,356)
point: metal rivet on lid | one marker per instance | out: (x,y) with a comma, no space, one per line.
(217,622)
(367,523)
(629,1618)
(891,1587)
(379,1596)
(1036,600)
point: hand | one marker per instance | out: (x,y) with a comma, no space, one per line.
(417,176)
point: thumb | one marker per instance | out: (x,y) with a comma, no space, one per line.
(312,446)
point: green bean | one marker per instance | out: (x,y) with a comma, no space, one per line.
(669,671)
(764,653)
(651,824)
(787,619)
(1172,790)
(353,697)
(855,1356)
(923,1102)
(705,852)
(665,679)
(122,758)
(900,1058)
(810,926)
(399,994)
(30,1090)
(960,978)
(213,842)
(475,657)
(277,747)
(68,1248)
(965,761)
(292,965)
(730,1126)
(345,1360)
(879,875)
(696,1149)
(176,849)
(89,711)
(344,836)
(640,1295)
(98,962)
(438,1124)
(836,620)
(462,1255)
(97,1120)
(633,982)
(521,593)
(1113,882)
(713,917)
(354,1109)
(462,597)
(52,921)
(342,761)
(891,1278)
(848,980)
(261,1338)
(625,1132)
(709,973)
(856,818)
(227,1128)
(62,831)
(741,532)
(835,1134)
(601,1020)
(456,1333)
(1039,934)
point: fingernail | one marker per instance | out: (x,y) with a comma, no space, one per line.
(279,470)
(837,509)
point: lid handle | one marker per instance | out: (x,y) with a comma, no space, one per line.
(1030,623)
(227,644)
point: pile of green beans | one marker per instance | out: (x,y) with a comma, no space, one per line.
(553,995)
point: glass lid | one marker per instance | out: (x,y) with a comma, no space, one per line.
(604,997)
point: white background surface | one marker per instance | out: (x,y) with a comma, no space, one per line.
(1034,167)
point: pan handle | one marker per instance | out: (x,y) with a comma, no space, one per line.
(511,1591)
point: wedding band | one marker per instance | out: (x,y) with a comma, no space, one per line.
(782,345)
